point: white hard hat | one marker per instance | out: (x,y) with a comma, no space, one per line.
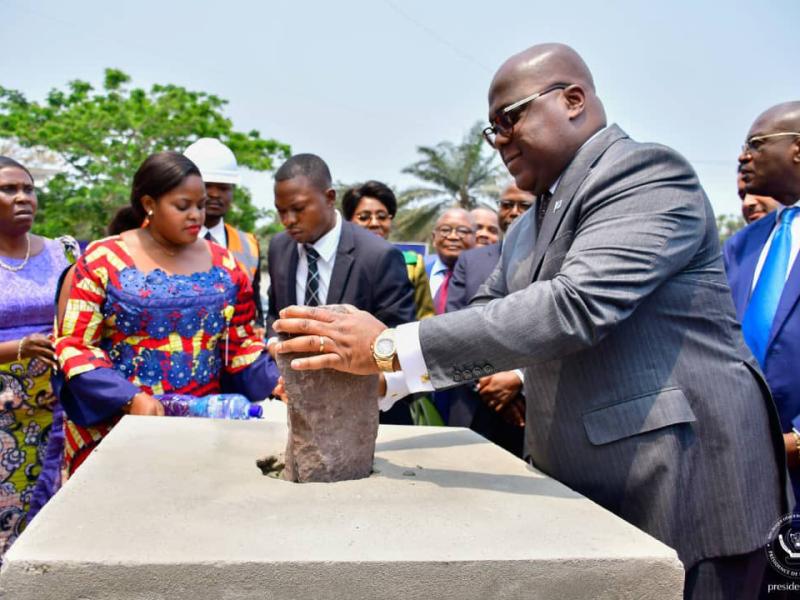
(215,160)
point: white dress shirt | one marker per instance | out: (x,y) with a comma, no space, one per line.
(326,247)
(438,271)
(218,232)
(775,216)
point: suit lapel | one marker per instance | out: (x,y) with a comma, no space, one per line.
(342,265)
(756,238)
(571,179)
(789,297)
(291,273)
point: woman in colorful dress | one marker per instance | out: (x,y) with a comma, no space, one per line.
(153,311)
(31,438)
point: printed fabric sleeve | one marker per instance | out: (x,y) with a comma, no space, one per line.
(93,390)
(249,369)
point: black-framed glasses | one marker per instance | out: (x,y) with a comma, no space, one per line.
(755,143)
(447,231)
(503,121)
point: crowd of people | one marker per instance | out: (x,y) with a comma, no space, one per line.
(604,336)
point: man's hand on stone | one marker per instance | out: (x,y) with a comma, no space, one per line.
(499,389)
(340,340)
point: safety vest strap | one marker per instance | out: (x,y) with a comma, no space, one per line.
(244,247)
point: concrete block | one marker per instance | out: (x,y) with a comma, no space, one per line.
(175,508)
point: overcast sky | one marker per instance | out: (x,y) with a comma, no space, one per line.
(363,83)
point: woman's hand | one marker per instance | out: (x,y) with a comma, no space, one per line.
(144,404)
(38,345)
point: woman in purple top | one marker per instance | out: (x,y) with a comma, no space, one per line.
(31,435)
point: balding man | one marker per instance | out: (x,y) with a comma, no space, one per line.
(762,266)
(487,226)
(611,295)
(453,233)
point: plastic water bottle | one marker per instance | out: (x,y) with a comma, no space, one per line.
(214,406)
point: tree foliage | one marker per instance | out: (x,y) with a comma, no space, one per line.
(727,225)
(103,136)
(464,175)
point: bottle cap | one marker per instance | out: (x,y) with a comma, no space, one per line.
(254,411)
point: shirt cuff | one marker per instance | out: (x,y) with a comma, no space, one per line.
(521,375)
(412,363)
(396,388)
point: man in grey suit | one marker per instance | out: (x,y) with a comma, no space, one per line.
(494,406)
(643,394)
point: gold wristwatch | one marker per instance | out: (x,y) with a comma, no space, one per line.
(384,350)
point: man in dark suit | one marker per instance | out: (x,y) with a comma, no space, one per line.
(642,393)
(496,409)
(762,266)
(322,259)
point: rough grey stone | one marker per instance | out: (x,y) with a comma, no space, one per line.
(333,422)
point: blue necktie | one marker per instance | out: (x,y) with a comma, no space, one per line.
(760,312)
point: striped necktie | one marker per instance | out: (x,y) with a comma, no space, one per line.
(760,313)
(312,281)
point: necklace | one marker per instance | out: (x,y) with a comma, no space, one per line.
(161,246)
(20,266)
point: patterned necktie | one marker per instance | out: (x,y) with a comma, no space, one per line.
(763,304)
(441,293)
(312,281)
(542,202)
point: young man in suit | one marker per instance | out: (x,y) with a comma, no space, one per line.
(641,393)
(322,259)
(762,266)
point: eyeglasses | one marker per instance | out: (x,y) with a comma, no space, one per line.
(503,121)
(366,216)
(521,205)
(755,143)
(447,230)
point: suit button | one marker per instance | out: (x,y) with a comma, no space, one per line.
(457,377)
(488,369)
(477,372)
(466,375)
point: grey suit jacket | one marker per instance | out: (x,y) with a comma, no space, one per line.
(641,392)
(368,273)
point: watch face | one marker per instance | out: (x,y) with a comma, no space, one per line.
(384,347)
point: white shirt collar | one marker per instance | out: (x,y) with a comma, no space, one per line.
(782,207)
(326,245)
(438,266)
(218,231)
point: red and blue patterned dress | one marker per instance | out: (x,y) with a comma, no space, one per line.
(126,331)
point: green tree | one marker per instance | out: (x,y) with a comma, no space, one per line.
(464,175)
(104,136)
(727,225)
